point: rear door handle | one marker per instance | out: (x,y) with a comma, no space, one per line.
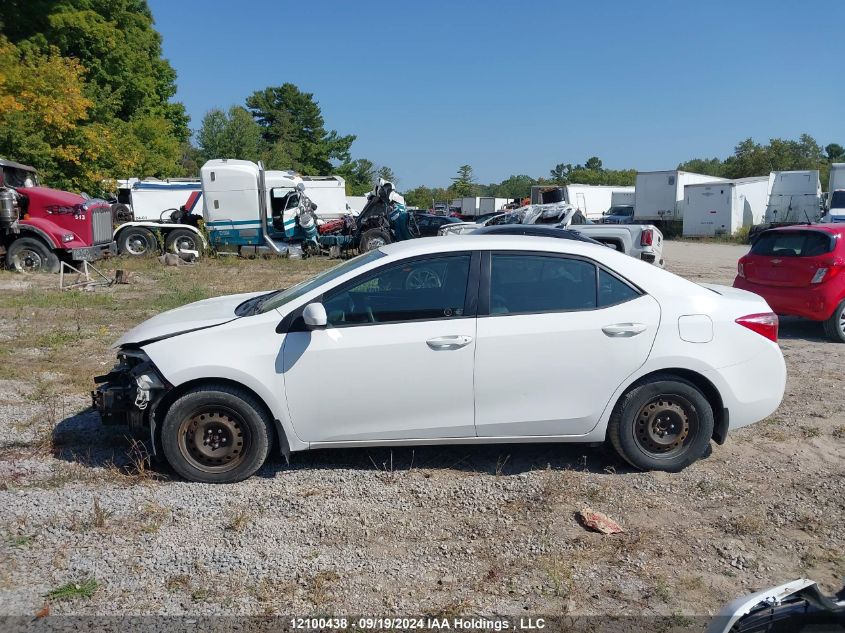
(623,330)
(449,342)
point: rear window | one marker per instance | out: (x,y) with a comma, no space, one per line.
(793,244)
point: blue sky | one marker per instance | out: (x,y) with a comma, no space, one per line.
(516,87)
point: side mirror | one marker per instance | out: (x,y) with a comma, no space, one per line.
(300,187)
(315,316)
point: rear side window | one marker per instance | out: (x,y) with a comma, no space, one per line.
(523,284)
(613,290)
(792,244)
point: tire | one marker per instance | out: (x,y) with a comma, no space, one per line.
(372,239)
(136,241)
(834,327)
(233,418)
(664,423)
(31,255)
(183,239)
(121,213)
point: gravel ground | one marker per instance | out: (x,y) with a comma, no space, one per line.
(454,530)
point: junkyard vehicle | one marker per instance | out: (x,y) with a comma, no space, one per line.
(477,319)
(536,230)
(641,241)
(429,224)
(618,215)
(159,215)
(794,607)
(40,226)
(798,270)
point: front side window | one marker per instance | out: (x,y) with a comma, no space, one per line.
(423,289)
(522,284)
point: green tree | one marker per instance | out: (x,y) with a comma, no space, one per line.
(835,153)
(292,118)
(463,184)
(232,135)
(360,176)
(708,166)
(386,173)
(593,163)
(560,173)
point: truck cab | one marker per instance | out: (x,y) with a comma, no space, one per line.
(40,226)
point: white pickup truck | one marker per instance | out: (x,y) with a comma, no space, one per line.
(642,241)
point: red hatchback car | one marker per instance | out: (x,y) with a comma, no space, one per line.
(798,270)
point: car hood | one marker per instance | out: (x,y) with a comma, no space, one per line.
(193,316)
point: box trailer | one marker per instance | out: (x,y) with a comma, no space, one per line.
(722,208)
(836,197)
(794,197)
(593,200)
(155,200)
(490,204)
(621,198)
(328,193)
(659,195)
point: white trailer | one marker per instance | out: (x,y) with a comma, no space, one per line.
(490,204)
(155,200)
(794,197)
(356,204)
(659,195)
(624,198)
(836,197)
(722,208)
(593,200)
(328,193)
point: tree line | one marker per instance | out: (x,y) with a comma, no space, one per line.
(748,159)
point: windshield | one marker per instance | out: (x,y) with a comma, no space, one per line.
(278,299)
(14,177)
(623,210)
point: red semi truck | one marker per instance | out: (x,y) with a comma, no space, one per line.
(40,226)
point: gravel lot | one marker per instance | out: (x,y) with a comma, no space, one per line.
(378,532)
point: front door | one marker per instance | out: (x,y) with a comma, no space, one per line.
(561,335)
(396,360)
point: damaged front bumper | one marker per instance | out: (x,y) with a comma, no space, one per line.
(129,393)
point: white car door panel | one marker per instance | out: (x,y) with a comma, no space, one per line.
(395,362)
(552,372)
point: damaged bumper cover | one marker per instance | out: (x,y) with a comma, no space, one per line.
(129,393)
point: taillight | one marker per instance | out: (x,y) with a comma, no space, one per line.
(765,324)
(647,237)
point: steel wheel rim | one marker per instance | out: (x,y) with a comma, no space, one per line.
(185,243)
(375,242)
(29,260)
(137,244)
(665,426)
(214,439)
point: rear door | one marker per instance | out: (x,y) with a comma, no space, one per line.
(788,258)
(558,335)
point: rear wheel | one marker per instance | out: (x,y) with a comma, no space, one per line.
(834,327)
(31,255)
(216,434)
(137,241)
(183,240)
(663,424)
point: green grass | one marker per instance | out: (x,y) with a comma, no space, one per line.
(73,590)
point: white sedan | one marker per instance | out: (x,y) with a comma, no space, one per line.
(523,339)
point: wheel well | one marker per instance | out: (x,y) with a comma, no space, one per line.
(163,406)
(720,414)
(35,234)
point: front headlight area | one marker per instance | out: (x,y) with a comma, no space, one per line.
(128,393)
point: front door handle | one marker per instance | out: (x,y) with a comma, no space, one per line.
(624,330)
(449,342)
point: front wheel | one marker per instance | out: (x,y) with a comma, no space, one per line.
(663,424)
(216,434)
(31,255)
(834,327)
